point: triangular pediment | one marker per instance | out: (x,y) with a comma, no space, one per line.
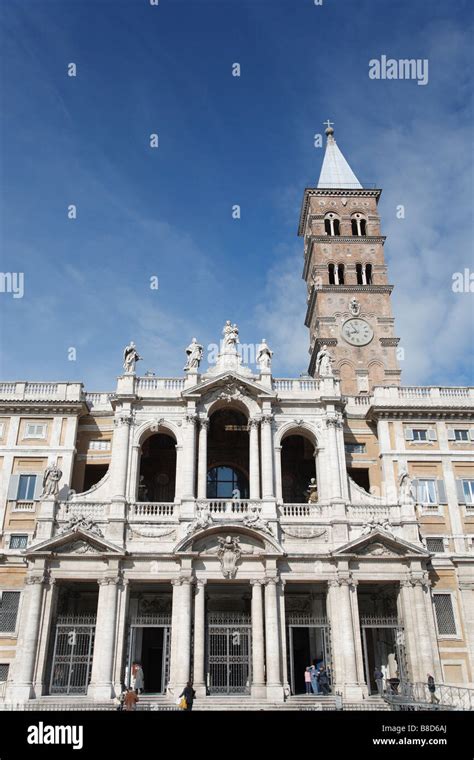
(379,543)
(230,385)
(75,542)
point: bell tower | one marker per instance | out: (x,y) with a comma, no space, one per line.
(349,307)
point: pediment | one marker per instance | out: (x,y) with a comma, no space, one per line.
(75,542)
(377,544)
(229,386)
(252,542)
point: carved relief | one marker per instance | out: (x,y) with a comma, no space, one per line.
(229,554)
(302,531)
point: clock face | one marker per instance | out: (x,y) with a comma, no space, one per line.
(357,332)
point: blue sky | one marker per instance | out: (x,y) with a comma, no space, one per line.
(223,140)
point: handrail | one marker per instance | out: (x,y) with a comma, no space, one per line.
(457,697)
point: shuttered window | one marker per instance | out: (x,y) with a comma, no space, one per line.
(445,619)
(9,601)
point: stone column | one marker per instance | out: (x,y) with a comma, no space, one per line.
(22,687)
(172,683)
(122,610)
(254,464)
(341,610)
(267,457)
(428,659)
(101,685)
(202,459)
(410,628)
(119,462)
(179,473)
(332,460)
(466,590)
(183,653)
(278,481)
(189,457)
(272,641)
(199,681)
(258,642)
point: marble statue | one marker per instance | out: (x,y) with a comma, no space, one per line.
(231,337)
(323,363)
(253,519)
(264,355)
(312,491)
(405,487)
(354,307)
(52,476)
(130,357)
(202,521)
(376,525)
(194,352)
(229,553)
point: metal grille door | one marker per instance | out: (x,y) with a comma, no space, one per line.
(72,657)
(229,654)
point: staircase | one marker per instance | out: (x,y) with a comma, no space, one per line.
(239,703)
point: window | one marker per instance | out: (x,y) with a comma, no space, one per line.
(26,487)
(368,274)
(445,620)
(34,430)
(99,445)
(468,490)
(420,435)
(332,276)
(340,274)
(427,492)
(9,601)
(18,542)
(461,435)
(2,429)
(222,482)
(355,448)
(4,672)
(435,545)
(360,280)
(331,224)
(359,225)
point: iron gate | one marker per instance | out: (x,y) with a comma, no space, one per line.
(229,653)
(306,620)
(72,655)
(394,628)
(150,620)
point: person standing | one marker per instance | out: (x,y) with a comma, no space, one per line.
(189,694)
(378,677)
(432,688)
(139,679)
(314,678)
(323,680)
(307,680)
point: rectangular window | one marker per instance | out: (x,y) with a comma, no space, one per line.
(9,601)
(355,448)
(435,545)
(34,430)
(2,429)
(26,487)
(18,542)
(468,489)
(4,672)
(445,619)
(99,445)
(420,435)
(427,492)
(461,435)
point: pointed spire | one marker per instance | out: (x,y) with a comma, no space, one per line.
(336,172)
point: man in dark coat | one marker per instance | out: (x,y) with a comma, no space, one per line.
(189,694)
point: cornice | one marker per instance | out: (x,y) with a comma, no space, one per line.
(43,407)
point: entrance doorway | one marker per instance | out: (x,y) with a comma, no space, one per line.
(149,645)
(309,643)
(383,647)
(72,654)
(229,654)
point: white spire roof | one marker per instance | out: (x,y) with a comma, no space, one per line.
(335,171)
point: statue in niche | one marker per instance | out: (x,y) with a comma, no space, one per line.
(194,353)
(312,492)
(354,307)
(406,488)
(324,363)
(264,355)
(130,357)
(52,476)
(229,553)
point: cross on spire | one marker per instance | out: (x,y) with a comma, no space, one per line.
(328,124)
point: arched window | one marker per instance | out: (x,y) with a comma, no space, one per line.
(359,225)
(368,274)
(331,224)
(359,274)
(223,482)
(332,276)
(364,274)
(340,274)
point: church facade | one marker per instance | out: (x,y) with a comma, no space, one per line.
(228,527)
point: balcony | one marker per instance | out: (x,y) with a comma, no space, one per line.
(145,511)
(428,396)
(23,391)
